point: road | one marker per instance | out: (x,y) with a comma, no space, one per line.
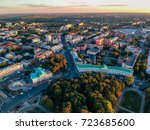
(36,89)
(11,103)
(71,67)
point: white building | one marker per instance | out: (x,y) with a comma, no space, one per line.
(76,39)
(11,69)
(48,38)
(148,64)
(40,75)
(8,24)
(104,69)
(36,40)
(131,60)
(12,33)
(56,41)
(57,48)
(114,39)
(93,51)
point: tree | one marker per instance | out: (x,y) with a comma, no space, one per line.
(48,103)
(91,92)
(67,108)
(56,62)
(129,80)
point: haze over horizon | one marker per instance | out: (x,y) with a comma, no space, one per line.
(72,6)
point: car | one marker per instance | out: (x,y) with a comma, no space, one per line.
(13,97)
(21,93)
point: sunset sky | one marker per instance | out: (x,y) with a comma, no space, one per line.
(73,6)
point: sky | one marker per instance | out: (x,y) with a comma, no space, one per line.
(74,6)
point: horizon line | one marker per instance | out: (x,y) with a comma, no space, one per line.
(82,13)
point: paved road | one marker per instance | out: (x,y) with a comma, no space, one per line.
(36,89)
(10,104)
(71,67)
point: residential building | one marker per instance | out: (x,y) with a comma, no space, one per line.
(36,40)
(93,51)
(57,48)
(43,55)
(130,61)
(81,47)
(148,64)
(11,69)
(48,38)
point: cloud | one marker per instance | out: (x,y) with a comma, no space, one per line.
(34,5)
(4,7)
(114,5)
(53,7)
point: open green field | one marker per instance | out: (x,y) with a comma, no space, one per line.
(131,100)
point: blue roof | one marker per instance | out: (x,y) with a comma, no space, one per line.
(33,75)
(38,72)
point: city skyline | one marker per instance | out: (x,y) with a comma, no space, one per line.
(70,6)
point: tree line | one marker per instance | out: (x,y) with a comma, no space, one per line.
(91,92)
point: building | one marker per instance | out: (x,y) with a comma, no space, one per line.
(57,48)
(68,26)
(3,60)
(114,39)
(103,41)
(11,69)
(43,55)
(77,39)
(130,31)
(75,57)
(9,56)
(56,40)
(148,64)
(81,47)
(82,67)
(17,86)
(74,38)
(12,33)
(104,69)
(48,38)
(39,75)
(9,24)
(93,51)
(81,24)
(26,63)
(130,61)
(36,40)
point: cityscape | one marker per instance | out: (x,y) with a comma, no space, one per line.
(88,62)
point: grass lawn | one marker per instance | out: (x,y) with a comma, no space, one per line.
(132,101)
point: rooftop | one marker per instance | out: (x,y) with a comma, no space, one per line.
(105,67)
(38,72)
